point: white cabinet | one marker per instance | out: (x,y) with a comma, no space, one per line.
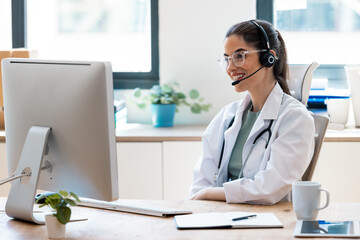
(338,170)
(140,170)
(179,159)
(156,170)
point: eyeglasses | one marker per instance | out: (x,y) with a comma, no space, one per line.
(238,58)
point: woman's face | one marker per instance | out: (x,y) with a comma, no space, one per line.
(233,44)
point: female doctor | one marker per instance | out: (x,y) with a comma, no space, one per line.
(255,148)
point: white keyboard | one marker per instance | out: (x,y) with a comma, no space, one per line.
(132,208)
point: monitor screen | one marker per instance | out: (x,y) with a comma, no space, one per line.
(74,100)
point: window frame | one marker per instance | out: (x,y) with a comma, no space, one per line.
(122,80)
(335,73)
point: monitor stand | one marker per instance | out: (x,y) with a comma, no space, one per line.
(20,202)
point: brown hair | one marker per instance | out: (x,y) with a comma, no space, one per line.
(252,35)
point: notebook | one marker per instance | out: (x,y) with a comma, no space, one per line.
(147,209)
(224,220)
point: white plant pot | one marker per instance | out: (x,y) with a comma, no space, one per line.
(54,228)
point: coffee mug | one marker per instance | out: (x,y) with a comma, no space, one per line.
(306,199)
(338,110)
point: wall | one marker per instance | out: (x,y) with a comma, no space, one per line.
(5,25)
(191,35)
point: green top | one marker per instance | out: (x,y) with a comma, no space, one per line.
(235,162)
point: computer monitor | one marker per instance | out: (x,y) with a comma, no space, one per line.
(59,125)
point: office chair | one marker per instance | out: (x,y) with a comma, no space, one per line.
(299,81)
(321,123)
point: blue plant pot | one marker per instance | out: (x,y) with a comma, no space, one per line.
(163,115)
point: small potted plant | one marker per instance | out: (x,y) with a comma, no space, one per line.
(165,99)
(59,203)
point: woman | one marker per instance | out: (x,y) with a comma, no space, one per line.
(254,149)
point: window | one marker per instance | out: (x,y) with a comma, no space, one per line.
(326,31)
(124,32)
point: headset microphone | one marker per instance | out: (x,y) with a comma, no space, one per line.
(240,80)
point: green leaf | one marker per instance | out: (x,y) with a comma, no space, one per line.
(75,196)
(70,202)
(63,214)
(64,193)
(43,205)
(141,106)
(196,108)
(167,89)
(137,92)
(53,200)
(194,94)
(180,95)
(205,107)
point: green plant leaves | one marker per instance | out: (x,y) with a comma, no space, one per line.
(63,214)
(180,95)
(63,193)
(206,107)
(70,202)
(75,196)
(59,202)
(196,108)
(137,92)
(141,106)
(166,89)
(194,94)
(167,94)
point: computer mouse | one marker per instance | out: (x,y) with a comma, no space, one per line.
(40,195)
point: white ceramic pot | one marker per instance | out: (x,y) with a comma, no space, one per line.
(54,228)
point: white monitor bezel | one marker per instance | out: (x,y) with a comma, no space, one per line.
(60,84)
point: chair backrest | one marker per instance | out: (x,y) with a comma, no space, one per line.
(299,81)
(321,123)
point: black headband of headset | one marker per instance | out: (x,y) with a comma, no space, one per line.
(263,34)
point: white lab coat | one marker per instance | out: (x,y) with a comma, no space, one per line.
(268,173)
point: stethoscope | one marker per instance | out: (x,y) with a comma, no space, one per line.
(266,130)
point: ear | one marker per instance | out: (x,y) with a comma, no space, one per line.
(274,53)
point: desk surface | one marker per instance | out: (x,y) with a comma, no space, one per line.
(117,225)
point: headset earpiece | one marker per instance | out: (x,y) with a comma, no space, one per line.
(267,59)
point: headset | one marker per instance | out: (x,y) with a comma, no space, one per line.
(267,59)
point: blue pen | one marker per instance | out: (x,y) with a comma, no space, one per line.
(244,218)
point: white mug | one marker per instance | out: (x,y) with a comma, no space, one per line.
(338,110)
(306,199)
(353,77)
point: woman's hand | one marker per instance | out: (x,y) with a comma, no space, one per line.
(211,193)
